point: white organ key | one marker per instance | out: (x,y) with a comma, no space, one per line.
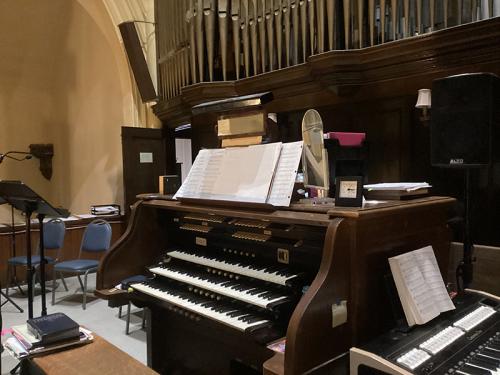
(212,286)
(442,339)
(273,277)
(175,299)
(413,358)
(474,318)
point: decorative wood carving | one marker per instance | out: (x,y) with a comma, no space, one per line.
(44,152)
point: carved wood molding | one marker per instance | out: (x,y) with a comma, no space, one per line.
(390,69)
(45,153)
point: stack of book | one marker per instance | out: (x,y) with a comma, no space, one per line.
(45,334)
(396,190)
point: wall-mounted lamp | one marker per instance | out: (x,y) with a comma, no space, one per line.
(44,152)
(424,103)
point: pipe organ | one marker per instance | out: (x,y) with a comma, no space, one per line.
(224,40)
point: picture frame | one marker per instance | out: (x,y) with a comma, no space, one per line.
(349,191)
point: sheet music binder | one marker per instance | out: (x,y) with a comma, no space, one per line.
(260,176)
(20,196)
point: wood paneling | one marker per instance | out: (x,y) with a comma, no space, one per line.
(486,267)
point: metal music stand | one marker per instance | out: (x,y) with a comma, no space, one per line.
(7,298)
(21,197)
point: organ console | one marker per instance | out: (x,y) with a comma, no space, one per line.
(224,282)
(464,341)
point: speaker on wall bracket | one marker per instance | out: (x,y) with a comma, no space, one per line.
(137,61)
(465,120)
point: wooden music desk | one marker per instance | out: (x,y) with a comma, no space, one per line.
(97,358)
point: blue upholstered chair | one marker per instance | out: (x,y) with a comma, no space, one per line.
(96,239)
(53,237)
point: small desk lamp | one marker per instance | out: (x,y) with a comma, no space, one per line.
(424,102)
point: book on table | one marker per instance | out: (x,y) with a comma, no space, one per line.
(396,190)
(53,327)
(23,344)
(420,285)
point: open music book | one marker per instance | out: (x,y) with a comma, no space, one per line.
(262,174)
(420,286)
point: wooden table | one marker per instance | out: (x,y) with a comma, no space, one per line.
(97,358)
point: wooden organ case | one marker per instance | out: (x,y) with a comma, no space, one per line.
(228,281)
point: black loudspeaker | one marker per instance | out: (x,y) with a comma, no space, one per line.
(137,61)
(465,120)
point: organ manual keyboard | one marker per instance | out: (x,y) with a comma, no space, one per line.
(464,341)
(223,283)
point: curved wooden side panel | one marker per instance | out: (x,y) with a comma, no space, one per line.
(311,340)
(140,246)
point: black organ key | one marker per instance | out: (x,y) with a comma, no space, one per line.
(494,345)
(474,370)
(491,353)
(495,362)
(478,361)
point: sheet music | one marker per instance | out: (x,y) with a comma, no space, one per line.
(423,292)
(202,174)
(428,265)
(235,174)
(285,175)
(421,304)
(248,173)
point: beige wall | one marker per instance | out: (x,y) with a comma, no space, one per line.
(64,80)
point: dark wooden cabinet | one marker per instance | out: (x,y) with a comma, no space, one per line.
(144,159)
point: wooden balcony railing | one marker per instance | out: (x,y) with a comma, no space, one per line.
(229,41)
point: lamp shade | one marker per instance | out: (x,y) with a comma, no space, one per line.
(424,98)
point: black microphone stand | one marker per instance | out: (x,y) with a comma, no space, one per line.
(13,237)
(4,295)
(26,156)
(23,198)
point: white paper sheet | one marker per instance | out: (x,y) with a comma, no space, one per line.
(408,186)
(428,265)
(421,287)
(202,175)
(85,216)
(285,175)
(247,173)
(241,174)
